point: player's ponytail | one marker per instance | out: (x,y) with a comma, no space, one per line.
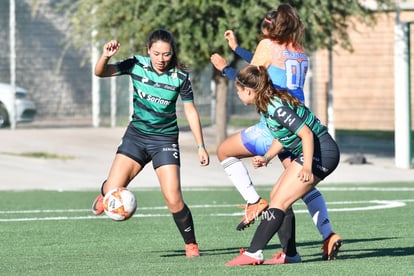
(256,78)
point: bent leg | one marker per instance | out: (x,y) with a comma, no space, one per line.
(232,147)
(289,188)
(286,191)
(316,205)
(229,153)
(123,170)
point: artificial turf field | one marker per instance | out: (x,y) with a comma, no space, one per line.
(54,233)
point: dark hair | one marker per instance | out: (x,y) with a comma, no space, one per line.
(283,25)
(257,78)
(166,36)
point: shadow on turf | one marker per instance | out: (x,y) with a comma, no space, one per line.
(345,253)
(203,252)
(367,252)
(218,251)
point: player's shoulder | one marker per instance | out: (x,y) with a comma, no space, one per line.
(142,59)
(298,48)
(265,42)
(179,73)
(277,103)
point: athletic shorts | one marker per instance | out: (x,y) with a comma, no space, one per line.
(257,139)
(144,148)
(325,156)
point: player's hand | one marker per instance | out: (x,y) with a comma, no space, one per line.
(203,157)
(218,61)
(231,39)
(110,48)
(305,176)
(259,161)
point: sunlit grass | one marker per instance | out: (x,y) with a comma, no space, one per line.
(55,233)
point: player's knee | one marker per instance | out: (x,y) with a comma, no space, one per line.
(221,153)
(175,206)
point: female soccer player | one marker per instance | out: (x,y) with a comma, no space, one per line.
(152,134)
(280,51)
(296,129)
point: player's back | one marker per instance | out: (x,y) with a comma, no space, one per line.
(288,68)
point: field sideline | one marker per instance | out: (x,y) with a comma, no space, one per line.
(51,232)
(87,153)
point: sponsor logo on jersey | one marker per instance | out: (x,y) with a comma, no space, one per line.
(287,118)
(153,99)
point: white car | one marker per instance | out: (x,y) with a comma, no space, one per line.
(25,107)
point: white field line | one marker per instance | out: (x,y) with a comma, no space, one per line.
(371,205)
(320,188)
(373,189)
(374,205)
(397,203)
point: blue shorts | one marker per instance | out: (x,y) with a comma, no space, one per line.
(257,138)
(144,148)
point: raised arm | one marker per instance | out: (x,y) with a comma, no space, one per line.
(221,64)
(234,45)
(102,68)
(260,57)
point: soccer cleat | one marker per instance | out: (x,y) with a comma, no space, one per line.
(247,258)
(331,247)
(251,212)
(97,205)
(191,250)
(282,258)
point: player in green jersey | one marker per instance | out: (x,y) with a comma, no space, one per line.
(296,129)
(152,135)
(280,50)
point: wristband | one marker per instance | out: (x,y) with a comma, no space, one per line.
(267,158)
(229,72)
(224,70)
(200,146)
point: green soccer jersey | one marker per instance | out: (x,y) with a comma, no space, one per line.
(284,122)
(155,95)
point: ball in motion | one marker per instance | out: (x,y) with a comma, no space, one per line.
(119,204)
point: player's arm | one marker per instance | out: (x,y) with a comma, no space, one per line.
(274,149)
(244,53)
(260,57)
(306,135)
(288,118)
(193,119)
(102,68)
(221,64)
(230,72)
(234,45)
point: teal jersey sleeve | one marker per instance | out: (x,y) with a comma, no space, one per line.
(285,121)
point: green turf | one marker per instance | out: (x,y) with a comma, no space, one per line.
(54,233)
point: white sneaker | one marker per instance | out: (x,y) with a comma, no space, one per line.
(258,255)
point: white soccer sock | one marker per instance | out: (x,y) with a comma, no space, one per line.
(240,177)
(318,211)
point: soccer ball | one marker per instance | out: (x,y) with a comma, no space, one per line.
(119,204)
